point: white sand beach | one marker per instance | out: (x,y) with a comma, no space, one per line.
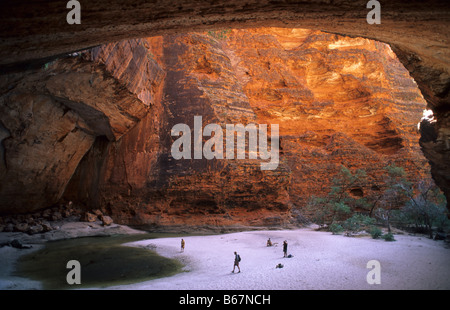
(320,261)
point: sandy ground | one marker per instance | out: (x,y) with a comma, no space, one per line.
(8,256)
(320,261)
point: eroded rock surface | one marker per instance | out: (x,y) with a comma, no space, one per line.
(51,117)
(337,101)
(33,33)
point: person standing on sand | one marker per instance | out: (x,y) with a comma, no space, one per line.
(285,248)
(237,259)
(182,245)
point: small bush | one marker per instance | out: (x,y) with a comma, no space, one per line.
(220,34)
(375,232)
(388,237)
(357,223)
(336,228)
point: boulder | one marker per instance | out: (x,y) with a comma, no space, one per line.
(46,226)
(47,214)
(35,229)
(106,220)
(9,227)
(18,245)
(21,227)
(56,216)
(97,212)
(89,217)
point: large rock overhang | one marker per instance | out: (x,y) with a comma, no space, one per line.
(416,30)
(32,32)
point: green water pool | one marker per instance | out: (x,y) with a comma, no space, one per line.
(104,262)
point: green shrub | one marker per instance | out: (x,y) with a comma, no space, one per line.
(388,237)
(358,222)
(219,34)
(320,212)
(337,205)
(375,232)
(339,210)
(336,228)
(426,210)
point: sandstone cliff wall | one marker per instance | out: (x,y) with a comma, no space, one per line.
(338,101)
(106,117)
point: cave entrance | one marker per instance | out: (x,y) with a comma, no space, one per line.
(417,32)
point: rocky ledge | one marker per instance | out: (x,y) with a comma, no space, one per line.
(62,222)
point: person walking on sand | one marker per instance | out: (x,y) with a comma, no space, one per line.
(182,245)
(285,248)
(237,259)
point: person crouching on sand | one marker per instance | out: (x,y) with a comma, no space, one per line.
(237,259)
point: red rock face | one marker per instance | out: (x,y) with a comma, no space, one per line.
(161,190)
(417,32)
(99,132)
(338,101)
(49,120)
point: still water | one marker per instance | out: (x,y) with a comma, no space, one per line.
(104,262)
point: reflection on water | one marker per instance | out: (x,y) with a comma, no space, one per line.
(104,262)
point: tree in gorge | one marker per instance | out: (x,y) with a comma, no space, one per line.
(338,203)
